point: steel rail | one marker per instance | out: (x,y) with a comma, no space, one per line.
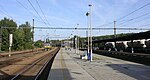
(46,63)
(28,67)
(43,67)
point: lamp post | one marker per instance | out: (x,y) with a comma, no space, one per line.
(90,9)
(89,30)
(76,42)
(71,40)
(87,14)
(78,39)
(115,35)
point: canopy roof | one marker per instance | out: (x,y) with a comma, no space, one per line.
(134,36)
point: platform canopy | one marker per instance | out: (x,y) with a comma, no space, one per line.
(134,36)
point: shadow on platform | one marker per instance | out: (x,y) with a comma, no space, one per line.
(132,70)
(60,74)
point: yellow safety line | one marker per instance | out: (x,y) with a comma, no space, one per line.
(63,66)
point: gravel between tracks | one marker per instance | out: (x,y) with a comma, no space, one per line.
(15,67)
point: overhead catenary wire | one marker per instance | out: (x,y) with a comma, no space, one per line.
(27,9)
(126,15)
(147,18)
(42,12)
(93,28)
(135,18)
(36,12)
(5,12)
(134,11)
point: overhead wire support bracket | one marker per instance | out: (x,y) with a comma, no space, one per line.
(84,28)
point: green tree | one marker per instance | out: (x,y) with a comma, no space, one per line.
(8,27)
(27,35)
(19,40)
(22,36)
(38,44)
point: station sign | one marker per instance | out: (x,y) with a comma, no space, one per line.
(10,39)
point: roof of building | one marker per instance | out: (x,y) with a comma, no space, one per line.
(134,36)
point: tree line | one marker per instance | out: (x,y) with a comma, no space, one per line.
(22,35)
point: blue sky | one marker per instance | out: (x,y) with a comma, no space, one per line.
(69,13)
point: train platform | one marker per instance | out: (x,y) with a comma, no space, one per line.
(65,68)
(68,66)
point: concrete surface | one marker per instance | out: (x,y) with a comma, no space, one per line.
(65,68)
(68,66)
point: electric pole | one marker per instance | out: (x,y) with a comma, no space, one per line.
(1,39)
(91,51)
(115,35)
(33,36)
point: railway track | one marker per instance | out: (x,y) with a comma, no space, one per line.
(29,68)
(5,61)
(6,54)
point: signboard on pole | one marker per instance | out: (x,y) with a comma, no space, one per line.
(10,39)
